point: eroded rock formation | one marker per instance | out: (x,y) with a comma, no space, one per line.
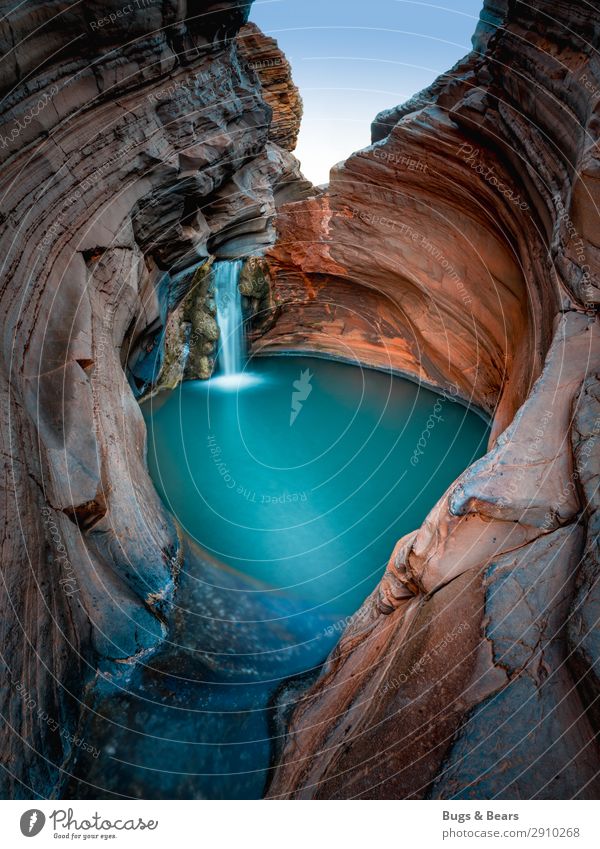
(462,248)
(273,69)
(136,145)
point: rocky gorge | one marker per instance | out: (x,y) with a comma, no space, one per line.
(460,249)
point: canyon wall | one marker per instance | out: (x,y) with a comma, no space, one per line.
(140,142)
(461,248)
(136,144)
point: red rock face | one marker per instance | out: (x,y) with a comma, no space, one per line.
(411,225)
(401,293)
(264,57)
(462,248)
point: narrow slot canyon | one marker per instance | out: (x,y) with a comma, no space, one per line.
(300,481)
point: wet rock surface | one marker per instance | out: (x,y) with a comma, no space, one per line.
(195,720)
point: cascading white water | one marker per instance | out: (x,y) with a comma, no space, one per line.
(232,345)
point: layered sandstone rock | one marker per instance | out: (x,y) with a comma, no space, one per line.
(462,248)
(135,146)
(263,55)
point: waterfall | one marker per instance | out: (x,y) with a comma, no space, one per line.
(232,345)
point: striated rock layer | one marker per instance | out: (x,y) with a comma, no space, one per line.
(461,248)
(136,144)
(273,69)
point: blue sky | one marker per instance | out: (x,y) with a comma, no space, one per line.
(352,58)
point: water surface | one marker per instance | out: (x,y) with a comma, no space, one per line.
(292,483)
(304,473)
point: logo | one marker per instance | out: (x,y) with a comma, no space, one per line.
(303,389)
(32,822)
